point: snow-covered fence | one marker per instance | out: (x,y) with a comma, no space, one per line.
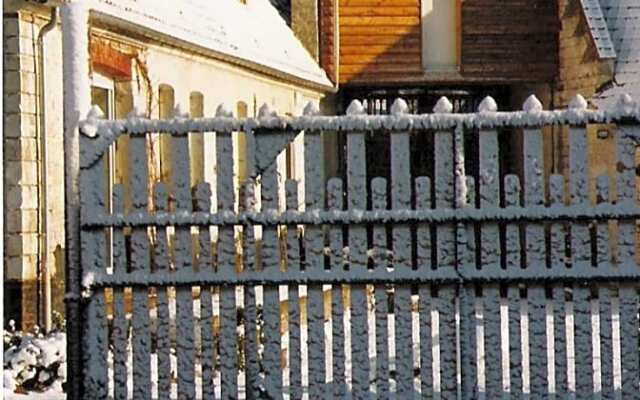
(422,285)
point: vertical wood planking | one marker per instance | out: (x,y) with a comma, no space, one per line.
(94,260)
(120,324)
(423,237)
(445,302)
(512,245)
(335,202)
(140,262)
(558,240)
(401,200)
(293,265)
(628,292)
(226,266)
(490,261)
(535,260)
(381,263)
(252,367)
(162,260)
(185,338)
(205,265)
(314,247)
(581,261)
(271,264)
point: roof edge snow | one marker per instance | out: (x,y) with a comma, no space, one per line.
(598,28)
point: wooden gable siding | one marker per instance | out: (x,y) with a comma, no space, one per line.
(379,38)
(510,39)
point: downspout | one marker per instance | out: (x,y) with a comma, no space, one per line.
(43,241)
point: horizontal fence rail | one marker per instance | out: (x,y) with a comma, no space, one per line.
(466,280)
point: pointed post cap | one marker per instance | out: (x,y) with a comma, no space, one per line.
(265,111)
(355,108)
(532,104)
(311,109)
(95,112)
(488,104)
(179,111)
(399,107)
(578,103)
(625,104)
(443,106)
(223,110)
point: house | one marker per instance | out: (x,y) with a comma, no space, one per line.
(196,53)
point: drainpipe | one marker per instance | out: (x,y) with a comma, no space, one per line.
(43,242)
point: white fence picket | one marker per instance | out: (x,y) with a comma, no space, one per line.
(141,263)
(120,333)
(401,200)
(335,202)
(558,258)
(581,261)
(381,263)
(535,260)
(314,248)
(294,320)
(513,261)
(226,265)
(162,261)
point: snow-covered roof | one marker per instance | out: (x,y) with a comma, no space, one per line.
(598,27)
(623,22)
(252,32)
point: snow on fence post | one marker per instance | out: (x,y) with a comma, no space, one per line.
(185,343)
(202,203)
(445,233)
(77,101)
(513,261)
(580,254)
(294,320)
(603,260)
(357,197)
(381,263)
(120,333)
(558,263)
(628,139)
(335,201)
(535,255)
(226,265)
(162,264)
(94,261)
(314,257)
(402,259)
(140,263)
(424,261)
(270,262)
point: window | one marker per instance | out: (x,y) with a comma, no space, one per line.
(440,34)
(102,95)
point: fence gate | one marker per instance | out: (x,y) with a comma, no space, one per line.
(443,286)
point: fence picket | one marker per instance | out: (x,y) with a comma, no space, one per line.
(95,260)
(558,242)
(381,263)
(423,238)
(140,262)
(185,343)
(271,305)
(581,260)
(335,202)
(162,260)
(226,265)
(535,260)
(445,300)
(628,292)
(120,332)
(513,261)
(401,200)
(314,248)
(202,203)
(293,264)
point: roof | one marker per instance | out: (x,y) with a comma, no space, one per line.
(598,27)
(623,23)
(252,32)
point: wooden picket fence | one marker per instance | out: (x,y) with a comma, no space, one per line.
(440,286)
